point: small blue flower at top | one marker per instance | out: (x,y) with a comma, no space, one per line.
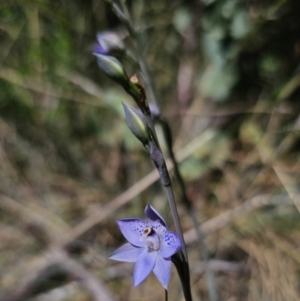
(108,41)
(150,245)
(99,49)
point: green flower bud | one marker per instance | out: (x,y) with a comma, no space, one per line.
(112,68)
(137,123)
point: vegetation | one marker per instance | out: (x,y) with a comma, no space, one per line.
(226,77)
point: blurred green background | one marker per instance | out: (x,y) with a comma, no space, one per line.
(227,77)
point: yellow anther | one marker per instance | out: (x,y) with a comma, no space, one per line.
(147,231)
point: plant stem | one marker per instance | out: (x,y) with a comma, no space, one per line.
(162,168)
(172,204)
(184,278)
(210,278)
(147,78)
(149,88)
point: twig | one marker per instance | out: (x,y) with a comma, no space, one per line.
(230,216)
(63,269)
(45,88)
(25,213)
(220,266)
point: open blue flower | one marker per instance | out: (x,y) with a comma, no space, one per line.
(150,245)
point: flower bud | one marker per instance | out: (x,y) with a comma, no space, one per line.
(110,41)
(112,68)
(137,123)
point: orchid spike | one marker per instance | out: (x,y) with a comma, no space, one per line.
(150,245)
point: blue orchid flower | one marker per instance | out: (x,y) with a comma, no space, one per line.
(99,49)
(150,245)
(110,40)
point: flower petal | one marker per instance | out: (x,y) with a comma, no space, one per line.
(162,270)
(132,229)
(157,227)
(126,253)
(169,244)
(99,49)
(143,266)
(152,214)
(110,41)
